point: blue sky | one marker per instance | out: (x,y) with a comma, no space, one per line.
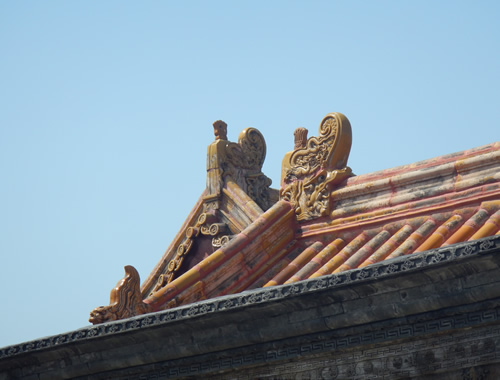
(106,111)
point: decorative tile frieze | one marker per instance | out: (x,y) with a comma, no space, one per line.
(405,350)
(385,269)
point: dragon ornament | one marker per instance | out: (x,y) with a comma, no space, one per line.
(125,300)
(315,166)
(240,162)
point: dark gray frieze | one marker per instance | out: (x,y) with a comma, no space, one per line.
(408,335)
(375,272)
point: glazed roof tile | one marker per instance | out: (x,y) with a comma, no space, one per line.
(239,236)
(377,217)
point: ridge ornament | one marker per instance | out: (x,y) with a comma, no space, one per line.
(315,166)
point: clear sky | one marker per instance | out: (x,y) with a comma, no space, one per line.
(106,110)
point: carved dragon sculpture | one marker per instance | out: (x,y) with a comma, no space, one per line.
(240,162)
(315,165)
(125,300)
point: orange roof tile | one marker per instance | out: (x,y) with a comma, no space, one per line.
(239,236)
(407,210)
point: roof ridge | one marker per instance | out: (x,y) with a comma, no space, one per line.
(439,160)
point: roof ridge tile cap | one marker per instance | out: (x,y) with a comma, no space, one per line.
(452,157)
(459,166)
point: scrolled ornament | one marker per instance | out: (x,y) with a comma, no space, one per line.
(125,300)
(241,163)
(311,170)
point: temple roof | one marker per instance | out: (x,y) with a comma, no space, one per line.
(242,234)
(419,299)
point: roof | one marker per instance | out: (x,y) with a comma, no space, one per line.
(242,234)
(451,291)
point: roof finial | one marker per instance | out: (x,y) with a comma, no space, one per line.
(315,166)
(300,137)
(220,130)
